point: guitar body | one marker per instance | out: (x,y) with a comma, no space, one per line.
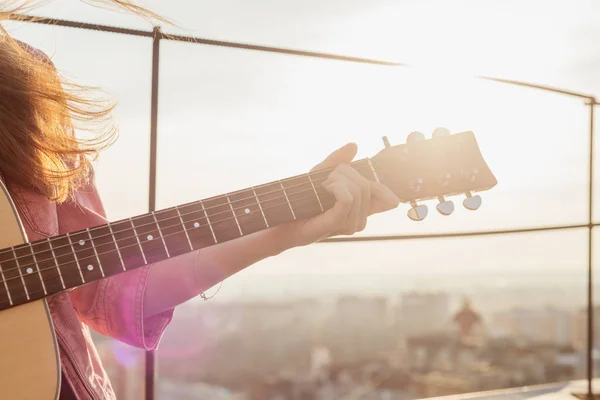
(29,358)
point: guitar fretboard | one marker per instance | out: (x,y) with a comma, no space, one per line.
(38,269)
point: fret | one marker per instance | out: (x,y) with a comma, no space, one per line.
(288,199)
(221,218)
(62,281)
(27,269)
(138,241)
(65,257)
(148,234)
(18,268)
(6,290)
(12,277)
(363,167)
(326,199)
(196,225)
(161,234)
(105,248)
(37,267)
(127,243)
(273,202)
(112,235)
(247,211)
(95,252)
(184,230)
(372,168)
(315,190)
(85,255)
(234,215)
(302,196)
(75,258)
(208,221)
(260,207)
(174,235)
(49,272)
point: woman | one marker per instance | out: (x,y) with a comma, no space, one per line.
(50,178)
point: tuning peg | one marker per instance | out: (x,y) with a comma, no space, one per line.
(472,202)
(417,212)
(445,207)
(415,137)
(440,132)
(386,142)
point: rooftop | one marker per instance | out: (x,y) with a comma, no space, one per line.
(554,391)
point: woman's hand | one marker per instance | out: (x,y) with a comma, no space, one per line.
(178,279)
(356,199)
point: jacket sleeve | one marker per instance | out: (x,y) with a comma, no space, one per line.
(112,306)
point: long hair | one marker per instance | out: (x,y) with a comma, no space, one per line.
(40,112)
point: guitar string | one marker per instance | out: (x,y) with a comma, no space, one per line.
(206,217)
(171,218)
(212,223)
(113,251)
(76,272)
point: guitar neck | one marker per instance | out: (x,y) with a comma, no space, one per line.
(32,271)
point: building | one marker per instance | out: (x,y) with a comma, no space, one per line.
(579,328)
(546,325)
(359,329)
(421,313)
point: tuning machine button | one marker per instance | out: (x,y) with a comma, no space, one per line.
(445,207)
(472,202)
(440,132)
(415,137)
(417,212)
(386,142)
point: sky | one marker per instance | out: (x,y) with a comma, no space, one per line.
(229,119)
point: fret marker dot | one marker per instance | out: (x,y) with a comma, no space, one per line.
(150,237)
(90,267)
(81,242)
(29,270)
(196,225)
(247,211)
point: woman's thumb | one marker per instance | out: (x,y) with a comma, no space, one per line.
(344,154)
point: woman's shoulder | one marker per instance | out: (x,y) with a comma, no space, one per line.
(36,212)
(42,217)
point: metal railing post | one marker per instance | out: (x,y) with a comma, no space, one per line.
(590,289)
(150,355)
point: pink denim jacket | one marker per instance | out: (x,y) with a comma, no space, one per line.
(111,306)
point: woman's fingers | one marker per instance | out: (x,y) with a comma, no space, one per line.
(351,221)
(364,186)
(382,198)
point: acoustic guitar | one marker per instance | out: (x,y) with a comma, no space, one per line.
(421,169)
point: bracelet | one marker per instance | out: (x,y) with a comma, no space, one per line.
(203,294)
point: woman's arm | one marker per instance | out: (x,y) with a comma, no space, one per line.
(179,279)
(176,280)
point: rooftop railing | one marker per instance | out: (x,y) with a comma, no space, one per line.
(157,37)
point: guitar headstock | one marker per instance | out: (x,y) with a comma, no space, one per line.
(444,165)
